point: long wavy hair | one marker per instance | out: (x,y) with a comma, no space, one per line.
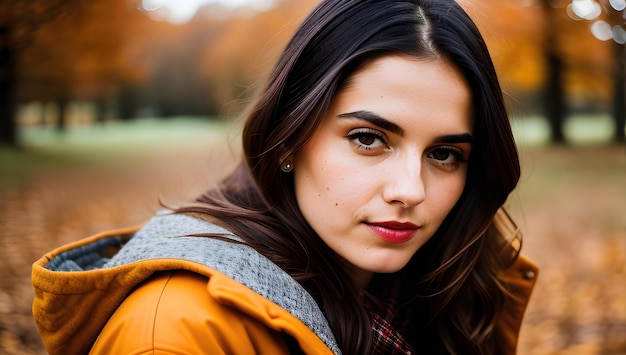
(451,296)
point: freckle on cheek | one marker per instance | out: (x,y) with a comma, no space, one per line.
(336,204)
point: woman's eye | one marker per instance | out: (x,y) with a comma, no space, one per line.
(442,154)
(448,158)
(367,139)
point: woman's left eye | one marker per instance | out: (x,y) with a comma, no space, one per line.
(366,139)
(447,157)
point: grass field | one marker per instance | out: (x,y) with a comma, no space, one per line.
(570,203)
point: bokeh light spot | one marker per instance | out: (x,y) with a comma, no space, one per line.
(619,34)
(602,30)
(618,5)
(586,9)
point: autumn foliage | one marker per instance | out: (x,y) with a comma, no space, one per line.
(112,54)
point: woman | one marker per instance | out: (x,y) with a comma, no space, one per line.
(365,217)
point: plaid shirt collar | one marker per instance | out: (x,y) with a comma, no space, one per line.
(383,310)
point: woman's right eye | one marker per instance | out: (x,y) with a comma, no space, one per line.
(367,140)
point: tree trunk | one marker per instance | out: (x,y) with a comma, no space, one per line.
(62,114)
(8,126)
(42,114)
(555,108)
(619,94)
(127,103)
(555,97)
(100,109)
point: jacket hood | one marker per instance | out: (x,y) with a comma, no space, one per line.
(79,286)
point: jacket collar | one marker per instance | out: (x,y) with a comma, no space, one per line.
(174,236)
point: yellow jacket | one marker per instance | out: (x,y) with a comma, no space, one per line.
(168,292)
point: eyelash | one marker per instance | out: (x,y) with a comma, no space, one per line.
(358,133)
(456,152)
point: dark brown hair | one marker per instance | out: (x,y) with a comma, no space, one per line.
(450,287)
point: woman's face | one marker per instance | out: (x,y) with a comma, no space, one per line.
(387,163)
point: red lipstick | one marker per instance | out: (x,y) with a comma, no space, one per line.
(392,231)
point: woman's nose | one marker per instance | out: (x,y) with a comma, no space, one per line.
(404,184)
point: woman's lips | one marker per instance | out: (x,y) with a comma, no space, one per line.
(392,231)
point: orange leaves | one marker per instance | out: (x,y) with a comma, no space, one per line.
(516,31)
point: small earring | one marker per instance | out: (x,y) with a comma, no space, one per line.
(286,166)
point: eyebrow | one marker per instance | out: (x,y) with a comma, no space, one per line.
(455,138)
(394,128)
(375,120)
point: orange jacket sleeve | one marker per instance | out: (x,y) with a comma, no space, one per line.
(172,313)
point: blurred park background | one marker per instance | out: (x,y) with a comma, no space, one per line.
(107,106)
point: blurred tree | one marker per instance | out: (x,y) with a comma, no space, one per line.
(616,16)
(546,60)
(244,48)
(69,51)
(139,57)
(18,22)
(609,20)
(174,86)
(554,99)
(82,49)
(619,94)
(7,82)
(514,33)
